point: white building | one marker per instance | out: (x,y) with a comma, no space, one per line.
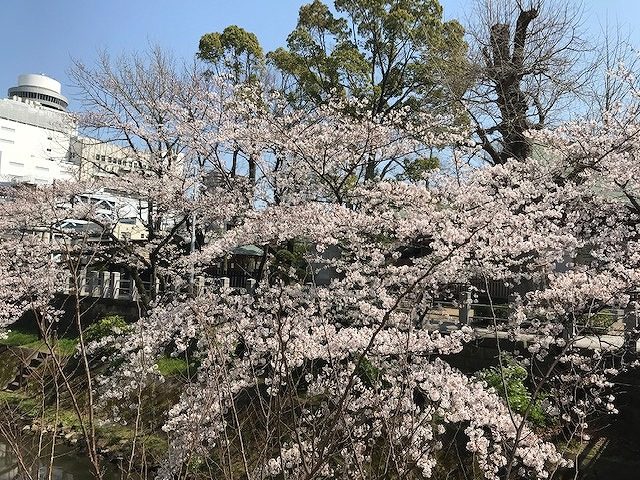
(35,133)
(39,141)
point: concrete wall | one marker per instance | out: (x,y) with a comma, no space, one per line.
(92,311)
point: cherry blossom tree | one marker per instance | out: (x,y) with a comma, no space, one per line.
(334,365)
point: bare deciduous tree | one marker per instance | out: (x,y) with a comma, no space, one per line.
(528,57)
(616,61)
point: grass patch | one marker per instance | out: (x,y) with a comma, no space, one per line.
(64,347)
(16,338)
(120,438)
(68,418)
(26,403)
(169,366)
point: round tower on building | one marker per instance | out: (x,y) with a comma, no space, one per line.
(41,89)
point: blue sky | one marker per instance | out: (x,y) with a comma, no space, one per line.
(41,36)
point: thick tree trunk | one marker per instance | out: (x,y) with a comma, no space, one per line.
(506,70)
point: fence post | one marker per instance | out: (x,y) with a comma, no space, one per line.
(93,280)
(631,313)
(199,285)
(83,281)
(114,284)
(133,290)
(571,330)
(631,320)
(66,287)
(464,308)
(104,284)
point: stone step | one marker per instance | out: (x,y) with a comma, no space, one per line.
(21,379)
(13,386)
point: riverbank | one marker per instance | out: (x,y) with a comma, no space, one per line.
(44,407)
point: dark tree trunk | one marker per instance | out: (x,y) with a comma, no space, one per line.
(505,63)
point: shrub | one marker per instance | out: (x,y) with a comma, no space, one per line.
(501,312)
(600,320)
(109,325)
(514,390)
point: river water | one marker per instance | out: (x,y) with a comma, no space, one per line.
(67,465)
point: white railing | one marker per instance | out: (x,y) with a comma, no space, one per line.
(113,285)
